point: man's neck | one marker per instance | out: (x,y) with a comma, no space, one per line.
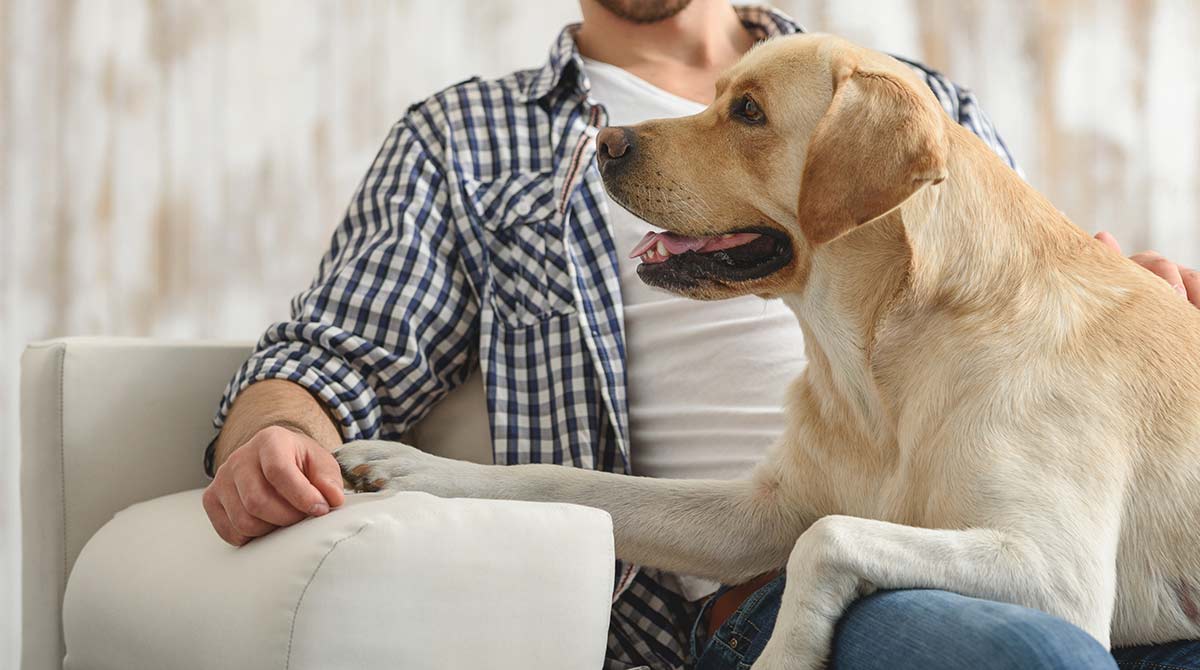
(683,54)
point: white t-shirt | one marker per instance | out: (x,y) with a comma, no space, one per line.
(706,378)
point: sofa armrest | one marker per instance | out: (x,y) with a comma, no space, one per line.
(389,580)
(109,422)
(105,423)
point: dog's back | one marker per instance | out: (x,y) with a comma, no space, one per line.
(1111,355)
(1152,346)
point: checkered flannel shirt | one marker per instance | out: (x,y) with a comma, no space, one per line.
(480,237)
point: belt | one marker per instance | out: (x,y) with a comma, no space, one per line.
(728,602)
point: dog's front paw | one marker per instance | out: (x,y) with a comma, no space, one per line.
(802,638)
(377,465)
(370,465)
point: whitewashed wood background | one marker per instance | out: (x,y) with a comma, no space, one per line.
(174,168)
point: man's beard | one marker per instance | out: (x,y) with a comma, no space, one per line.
(645,11)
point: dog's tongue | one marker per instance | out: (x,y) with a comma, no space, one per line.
(678,244)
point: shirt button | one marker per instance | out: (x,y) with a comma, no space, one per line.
(733,643)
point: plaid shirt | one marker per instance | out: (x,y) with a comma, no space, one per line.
(479,237)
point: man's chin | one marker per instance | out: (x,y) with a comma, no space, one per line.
(644,11)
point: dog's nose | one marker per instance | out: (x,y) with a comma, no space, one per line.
(614,144)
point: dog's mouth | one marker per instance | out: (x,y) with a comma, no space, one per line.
(674,261)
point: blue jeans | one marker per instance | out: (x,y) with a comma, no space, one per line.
(933,630)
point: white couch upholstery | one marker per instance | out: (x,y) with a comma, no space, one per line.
(402,580)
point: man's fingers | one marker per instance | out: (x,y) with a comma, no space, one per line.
(284,474)
(260,500)
(1165,269)
(324,472)
(1146,257)
(1186,282)
(1191,283)
(243,522)
(1109,241)
(220,519)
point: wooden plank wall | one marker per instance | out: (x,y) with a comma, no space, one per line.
(173,168)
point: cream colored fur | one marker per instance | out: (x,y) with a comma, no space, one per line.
(995,404)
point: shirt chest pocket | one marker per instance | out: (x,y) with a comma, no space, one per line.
(529,280)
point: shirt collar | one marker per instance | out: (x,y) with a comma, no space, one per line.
(565,66)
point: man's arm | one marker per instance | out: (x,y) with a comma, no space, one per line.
(279,403)
(273,462)
(385,330)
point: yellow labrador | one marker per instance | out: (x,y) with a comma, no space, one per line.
(995,403)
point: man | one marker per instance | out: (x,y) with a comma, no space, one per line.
(482,235)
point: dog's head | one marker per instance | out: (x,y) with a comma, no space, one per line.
(809,137)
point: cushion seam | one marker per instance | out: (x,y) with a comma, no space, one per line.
(62,454)
(299,601)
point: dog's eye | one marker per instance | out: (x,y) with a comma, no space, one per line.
(748,110)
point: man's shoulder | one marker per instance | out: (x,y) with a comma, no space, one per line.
(474,115)
(961,105)
(948,93)
(476,91)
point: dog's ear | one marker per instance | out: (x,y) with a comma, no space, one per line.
(878,144)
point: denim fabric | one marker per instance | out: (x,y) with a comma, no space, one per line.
(1169,656)
(932,630)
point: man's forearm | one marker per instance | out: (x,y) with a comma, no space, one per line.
(275,402)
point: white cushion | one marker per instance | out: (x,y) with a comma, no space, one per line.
(400,581)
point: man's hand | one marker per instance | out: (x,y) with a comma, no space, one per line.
(275,479)
(1185,281)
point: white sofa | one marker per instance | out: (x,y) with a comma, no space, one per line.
(118,427)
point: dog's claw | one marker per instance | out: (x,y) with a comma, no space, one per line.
(361,478)
(356,476)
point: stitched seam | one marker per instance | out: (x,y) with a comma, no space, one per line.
(574,166)
(575,160)
(62,459)
(296,611)
(1149,665)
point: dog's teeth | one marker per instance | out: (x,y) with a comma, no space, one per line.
(727,236)
(661,249)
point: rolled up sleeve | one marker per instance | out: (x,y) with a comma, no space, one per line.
(389,325)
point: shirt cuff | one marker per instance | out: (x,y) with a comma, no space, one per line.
(328,377)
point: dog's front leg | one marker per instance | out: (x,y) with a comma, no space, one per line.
(840,558)
(726,530)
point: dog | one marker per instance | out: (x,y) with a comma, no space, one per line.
(995,404)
